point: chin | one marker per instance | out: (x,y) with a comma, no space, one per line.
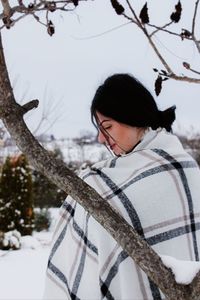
(117,153)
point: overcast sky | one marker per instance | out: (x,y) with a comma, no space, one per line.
(63,71)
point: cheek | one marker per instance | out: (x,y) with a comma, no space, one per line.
(125,141)
(121,136)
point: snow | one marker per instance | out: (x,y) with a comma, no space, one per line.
(13,238)
(184,271)
(70,150)
(22,272)
(30,242)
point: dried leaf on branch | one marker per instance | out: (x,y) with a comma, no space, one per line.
(50,28)
(31,6)
(119,9)
(158,85)
(185,34)
(186,65)
(75,2)
(144,14)
(175,16)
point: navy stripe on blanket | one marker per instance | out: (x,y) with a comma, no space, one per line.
(167,235)
(177,165)
(78,230)
(79,272)
(152,171)
(151,241)
(87,242)
(113,162)
(70,209)
(105,291)
(133,217)
(112,273)
(155,291)
(57,243)
(62,277)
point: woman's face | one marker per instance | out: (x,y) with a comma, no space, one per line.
(119,137)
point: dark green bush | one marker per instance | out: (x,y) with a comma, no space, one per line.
(42,219)
(16,201)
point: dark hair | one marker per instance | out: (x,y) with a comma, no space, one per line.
(124,99)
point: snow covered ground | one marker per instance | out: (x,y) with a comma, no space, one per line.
(22,272)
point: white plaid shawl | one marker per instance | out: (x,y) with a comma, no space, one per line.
(157,190)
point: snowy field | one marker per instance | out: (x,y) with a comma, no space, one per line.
(22,272)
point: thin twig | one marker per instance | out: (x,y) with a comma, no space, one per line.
(38,19)
(162,29)
(187,66)
(134,14)
(193,27)
(165,64)
(130,19)
(102,33)
(14,21)
(194,17)
(184,78)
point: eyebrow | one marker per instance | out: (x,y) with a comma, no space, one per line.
(103,121)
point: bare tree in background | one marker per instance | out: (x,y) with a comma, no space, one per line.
(13,113)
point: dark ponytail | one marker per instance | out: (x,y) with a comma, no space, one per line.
(124,99)
(165,118)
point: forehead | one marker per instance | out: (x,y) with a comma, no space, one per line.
(101,118)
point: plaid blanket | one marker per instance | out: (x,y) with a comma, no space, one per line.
(156,188)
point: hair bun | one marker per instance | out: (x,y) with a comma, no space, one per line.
(167,117)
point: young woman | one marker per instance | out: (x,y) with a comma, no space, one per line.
(152,181)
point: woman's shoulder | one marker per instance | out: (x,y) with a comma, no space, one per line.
(94,167)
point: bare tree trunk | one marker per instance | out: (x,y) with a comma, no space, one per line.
(12,115)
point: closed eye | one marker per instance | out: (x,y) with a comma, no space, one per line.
(107,127)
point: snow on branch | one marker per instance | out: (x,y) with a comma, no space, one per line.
(184,271)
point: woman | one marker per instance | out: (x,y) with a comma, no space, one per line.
(151,181)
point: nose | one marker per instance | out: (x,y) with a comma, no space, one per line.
(101,137)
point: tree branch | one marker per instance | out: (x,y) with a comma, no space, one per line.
(56,171)
(195,287)
(169,70)
(6,8)
(194,17)
(184,78)
(150,39)
(158,28)
(30,105)
(193,26)
(31,9)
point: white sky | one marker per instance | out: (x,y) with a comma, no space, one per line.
(64,70)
